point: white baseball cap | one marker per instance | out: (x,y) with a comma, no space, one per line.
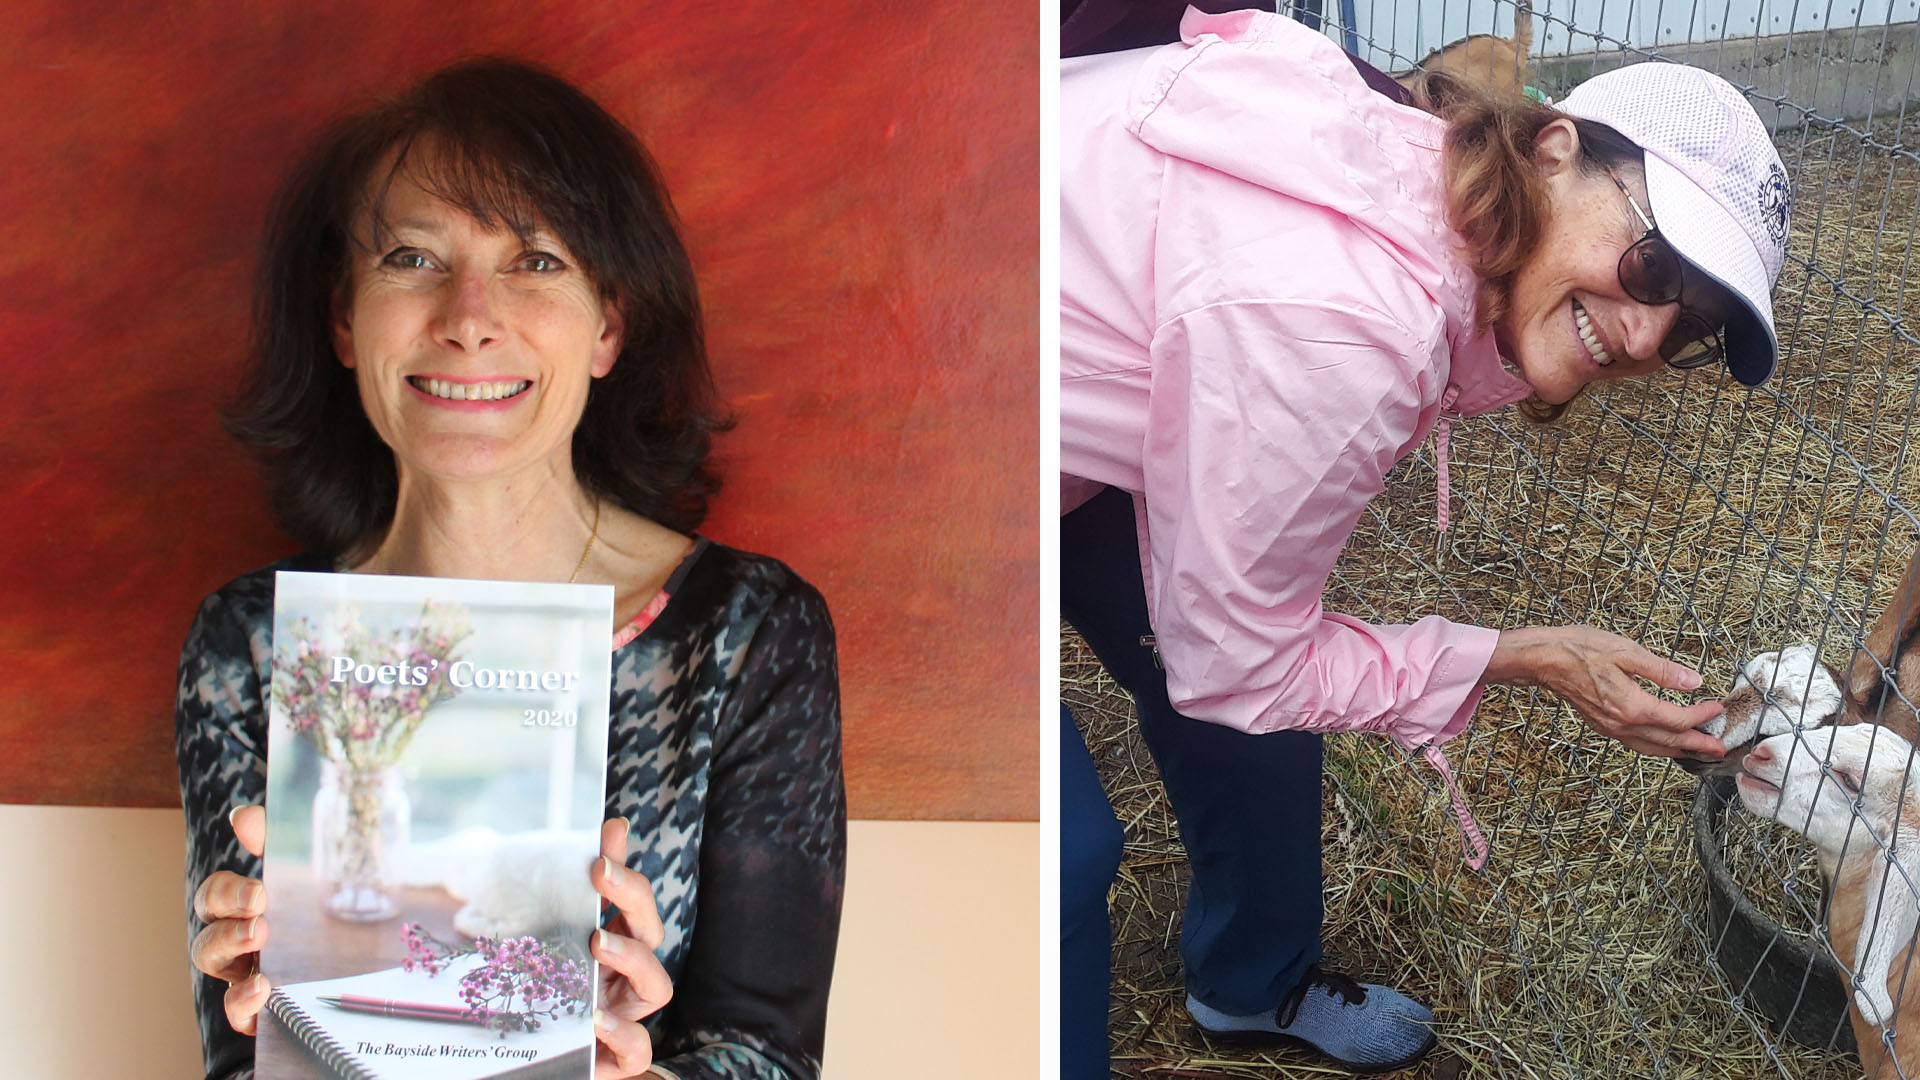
(1718,191)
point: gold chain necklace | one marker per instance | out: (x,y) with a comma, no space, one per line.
(588,550)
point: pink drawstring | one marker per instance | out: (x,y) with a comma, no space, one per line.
(1476,844)
(1442,517)
(1443,512)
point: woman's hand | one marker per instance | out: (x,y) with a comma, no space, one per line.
(231,906)
(1598,674)
(633,985)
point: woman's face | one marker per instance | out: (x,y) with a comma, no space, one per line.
(472,348)
(1570,322)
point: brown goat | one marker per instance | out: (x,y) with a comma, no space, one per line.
(1488,61)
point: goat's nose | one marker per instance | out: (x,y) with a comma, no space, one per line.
(1760,755)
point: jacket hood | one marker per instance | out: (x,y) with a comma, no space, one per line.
(1282,106)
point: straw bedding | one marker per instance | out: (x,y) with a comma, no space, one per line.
(1705,521)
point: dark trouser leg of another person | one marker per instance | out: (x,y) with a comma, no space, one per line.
(1090,842)
(1248,807)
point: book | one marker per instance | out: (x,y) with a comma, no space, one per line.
(436,769)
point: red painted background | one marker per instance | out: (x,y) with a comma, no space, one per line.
(858,186)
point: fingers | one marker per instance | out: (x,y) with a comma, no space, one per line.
(625,1048)
(1661,743)
(227,948)
(224,894)
(631,892)
(627,889)
(232,908)
(244,1000)
(250,827)
(1658,670)
(650,987)
(1667,730)
(613,839)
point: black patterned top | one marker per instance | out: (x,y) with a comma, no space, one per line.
(724,756)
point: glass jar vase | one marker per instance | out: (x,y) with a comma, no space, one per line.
(361,821)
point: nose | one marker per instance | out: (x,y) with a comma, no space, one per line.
(468,319)
(1647,326)
(1760,755)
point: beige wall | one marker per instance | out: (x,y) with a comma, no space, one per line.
(938,973)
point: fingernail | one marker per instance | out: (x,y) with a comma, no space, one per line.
(603,1022)
(256,894)
(252,925)
(604,942)
(606,869)
(230,815)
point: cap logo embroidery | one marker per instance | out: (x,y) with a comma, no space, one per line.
(1776,203)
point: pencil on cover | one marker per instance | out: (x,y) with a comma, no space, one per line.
(412,1010)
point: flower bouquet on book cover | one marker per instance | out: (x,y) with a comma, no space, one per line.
(435,784)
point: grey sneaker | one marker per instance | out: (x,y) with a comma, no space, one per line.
(1361,1026)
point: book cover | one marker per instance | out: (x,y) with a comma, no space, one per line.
(436,764)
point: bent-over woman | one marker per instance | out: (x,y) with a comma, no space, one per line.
(1278,275)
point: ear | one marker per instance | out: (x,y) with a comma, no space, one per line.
(1801,691)
(340,310)
(612,336)
(1556,150)
(1896,624)
(1896,915)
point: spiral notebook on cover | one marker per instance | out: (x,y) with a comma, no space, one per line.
(371,1046)
(436,772)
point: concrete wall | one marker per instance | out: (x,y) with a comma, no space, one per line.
(1838,74)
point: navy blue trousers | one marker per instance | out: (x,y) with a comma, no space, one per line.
(1248,808)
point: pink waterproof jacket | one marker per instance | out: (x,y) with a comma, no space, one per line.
(1262,310)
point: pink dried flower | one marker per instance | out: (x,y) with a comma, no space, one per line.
(518,983)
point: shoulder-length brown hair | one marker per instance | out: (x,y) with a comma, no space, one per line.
(1496,200)
(514,146)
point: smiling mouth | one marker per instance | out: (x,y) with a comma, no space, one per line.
(480,391)
(1588,337)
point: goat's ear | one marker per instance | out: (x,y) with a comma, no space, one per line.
(1897,622)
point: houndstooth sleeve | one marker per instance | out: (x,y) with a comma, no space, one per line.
(752,997)
(220,746)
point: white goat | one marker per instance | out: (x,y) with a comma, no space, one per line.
(1775,693)
(1847,789)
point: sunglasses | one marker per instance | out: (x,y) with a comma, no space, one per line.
(1653,273)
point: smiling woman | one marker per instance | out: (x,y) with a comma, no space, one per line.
(478,354)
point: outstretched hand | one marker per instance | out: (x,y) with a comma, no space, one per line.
(633,985)
(231,906)
(1600,675)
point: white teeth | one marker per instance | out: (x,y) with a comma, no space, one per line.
(1588,337)
(487,391)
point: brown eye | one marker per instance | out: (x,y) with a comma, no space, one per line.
(1848,780)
